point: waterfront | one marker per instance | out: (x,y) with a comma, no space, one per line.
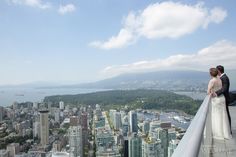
(166,117)
(10,95)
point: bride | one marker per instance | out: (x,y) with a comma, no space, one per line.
(219,118)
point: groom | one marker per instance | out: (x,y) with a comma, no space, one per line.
(225,89)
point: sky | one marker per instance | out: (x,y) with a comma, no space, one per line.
(75,41)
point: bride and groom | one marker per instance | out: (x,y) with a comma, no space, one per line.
(218,89)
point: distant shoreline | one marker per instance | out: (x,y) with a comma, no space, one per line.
(10,95)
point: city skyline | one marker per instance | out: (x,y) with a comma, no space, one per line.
(73,41)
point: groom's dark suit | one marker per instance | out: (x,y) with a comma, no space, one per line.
(225,91)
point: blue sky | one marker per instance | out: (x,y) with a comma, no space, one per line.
(73,41)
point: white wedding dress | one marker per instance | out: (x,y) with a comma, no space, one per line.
(219,118)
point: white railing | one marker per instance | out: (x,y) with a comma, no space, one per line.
(190,144)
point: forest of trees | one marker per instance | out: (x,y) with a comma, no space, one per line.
(146,99)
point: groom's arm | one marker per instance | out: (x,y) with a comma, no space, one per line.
(210,86)
(224,87)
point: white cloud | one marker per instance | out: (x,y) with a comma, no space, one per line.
(32,3)
(68,8)
(163,20)
(217,15)
(124,37)
(222,52)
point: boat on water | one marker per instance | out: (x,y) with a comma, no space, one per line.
(179,119)
(188,119)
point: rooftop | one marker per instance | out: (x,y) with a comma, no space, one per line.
(200,125)
(223,148)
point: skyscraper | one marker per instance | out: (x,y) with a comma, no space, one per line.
(57,115)
(44,127)
(61,105)
(117,120)
(83,121)
(75,141)
(4,153)
(74,121)
(1,113)
(13,149)
(166,134)
(133,121)
(151,147)
(114,152)
(125,125)
(146,127)
(135,146)
(154,125)
(36,129)
(172,146)
(126,147)
(125,128)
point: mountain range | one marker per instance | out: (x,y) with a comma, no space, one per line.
(161,80)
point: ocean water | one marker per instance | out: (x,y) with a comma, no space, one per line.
(10,95)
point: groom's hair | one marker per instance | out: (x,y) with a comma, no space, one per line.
(220,68)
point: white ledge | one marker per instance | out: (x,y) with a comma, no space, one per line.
(190,144)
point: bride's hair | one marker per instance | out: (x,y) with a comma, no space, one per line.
(213,72)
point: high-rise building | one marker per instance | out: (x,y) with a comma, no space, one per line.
(126,147)
(105,139)
(13,149)
(36,129)
(4,153)
(49,105)
(67,107)
(75,141)
(171,134)
(166,134)
(44,127)
(172,146)
(35,105)
(56,146)
(125,125)
(125,119)
(98,107)
(83,121)
(15,105)
(117,121)
(74,121)
(133,121)
(135,146)
(113,152)
(1,113)
(151,147)
(125,128)
(61,105)
(146,127)
(123,114)
(154,125)
(60,154)
(112,115)
(57,115)
(99,121)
